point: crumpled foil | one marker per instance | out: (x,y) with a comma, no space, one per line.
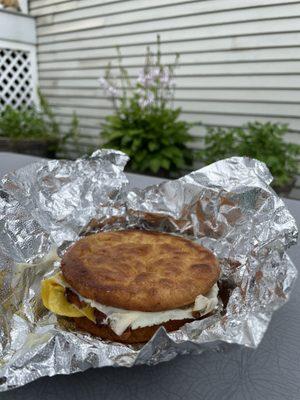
(228,207)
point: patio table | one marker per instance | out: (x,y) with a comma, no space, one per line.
(270,372)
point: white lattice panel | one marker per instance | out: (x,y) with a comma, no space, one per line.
(16,78)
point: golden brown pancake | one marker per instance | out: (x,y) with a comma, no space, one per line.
(140,270)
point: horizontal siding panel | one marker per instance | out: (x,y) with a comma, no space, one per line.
(204,46)
(91,96)
(208,33)
(73,7)
(93,123)
(93,103)
(70,92)
(105,38)
(45,3)
(281,111)
(115,16)
(93,34)
(68,10)
(270,109)
(210,58)
(276,81)
(290,67)
(160,19)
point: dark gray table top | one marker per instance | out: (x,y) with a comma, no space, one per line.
(271,372)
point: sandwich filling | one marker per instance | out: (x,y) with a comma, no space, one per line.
(54,297)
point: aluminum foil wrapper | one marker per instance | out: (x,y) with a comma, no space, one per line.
(228,207)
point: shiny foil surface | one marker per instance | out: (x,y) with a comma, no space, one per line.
(227,207)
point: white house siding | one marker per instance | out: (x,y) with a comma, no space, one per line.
(240,59)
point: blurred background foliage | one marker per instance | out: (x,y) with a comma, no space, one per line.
(146,125)
(263,141)
(35,130)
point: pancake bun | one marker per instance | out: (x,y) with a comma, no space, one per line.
(139,270)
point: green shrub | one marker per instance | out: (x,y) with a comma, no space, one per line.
(153,138)
(263,141)
(145,125)
(34,123)
(26,123)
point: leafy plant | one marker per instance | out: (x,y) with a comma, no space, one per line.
(26,123)
(263,141)
(34,123)
(145,124)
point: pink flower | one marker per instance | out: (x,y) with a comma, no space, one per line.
(108,88)
(165,78)
(146,100)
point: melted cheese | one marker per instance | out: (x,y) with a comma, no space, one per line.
(120,319)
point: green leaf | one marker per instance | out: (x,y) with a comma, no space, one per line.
(165,164)
(152,146)
(155,165)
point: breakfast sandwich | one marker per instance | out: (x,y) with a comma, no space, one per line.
(123,285)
